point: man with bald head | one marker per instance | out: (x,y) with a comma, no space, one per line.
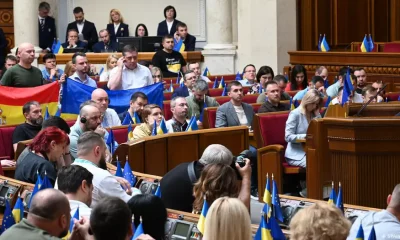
(89,120)
(110,117)
(23,74)
(48,218)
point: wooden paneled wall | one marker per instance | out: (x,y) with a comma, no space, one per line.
(7,22)
(345,21)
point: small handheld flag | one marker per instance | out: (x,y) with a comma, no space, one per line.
(36,188)
(130,132)
(171,87)
(324,45)
(224,92)
(8,218)
(192,126)
(238,77)
(221,83)
(128,119)
(360,233)
(202,219)
(47,114)
(136,118)
(139,231)
(162,129)
(215,83)
(76,216)
(18,211)
(154,131)
(372,234)
(128,175)
(46,182)
(276,204)
(292,107)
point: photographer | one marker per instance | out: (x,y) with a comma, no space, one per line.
(177,184)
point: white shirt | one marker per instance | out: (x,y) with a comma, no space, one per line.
(169,25)
(205,78)
(80,26)
(241,115)
(357,98)
(116,26)
(110,119)
(104,184)
(40,20)
(245,83)
(169,125)
(136,78)
(104,76)
(84,210)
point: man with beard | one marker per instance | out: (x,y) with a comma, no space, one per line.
(92,156)
(86,30)
(48,218)
(273,97)
(136,104)
(110,117)
(32,126)
(80,62)
(23,74)
(179,109)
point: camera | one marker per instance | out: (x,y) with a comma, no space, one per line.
(242,156)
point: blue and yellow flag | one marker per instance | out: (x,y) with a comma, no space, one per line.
(365,45)
(372,234)
(158,191)
(110,141)
(179,46)
(296,103)
(76,216)
(192,126)
(139,231)
(292,107)
(324,45)
(206,73)
(162,129)
(216,83)
(118,173)
(276,203)
(267,198)
(202,219)
(128,175)
(238,76)
(128,119)
(130,132)
(8,218)
(75,93)
(136,119)
(58,49)
(263,232)
(171,87)
(332,196)
(339,200)
(225,92)
(18,211)
(360,233)
(222,83)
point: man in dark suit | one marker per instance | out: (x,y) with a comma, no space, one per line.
(86,30)
(186,90)
(182,33)
(3,45)
(47,27)
(73,41)
(105,44)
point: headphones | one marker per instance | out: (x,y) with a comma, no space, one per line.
(83,120)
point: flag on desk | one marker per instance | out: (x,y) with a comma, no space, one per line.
(192,125)
(371,43)
(324,45)
(267,198)
(292,107)
(128,175)
(154,130)
(269,230)
(202,110)
(162,129)
(35,189)
(46,182)
(128,119)
(339,200)
(118,173)
(215,83)
(139,231)
(263,231)
(57,48)
(158,191)
(276,203)
(365,47)
(225,92)
(238,76)
(347,87)
(372,234)
(360,233)
(130,132)
(75,93)
(222,83)
(319,42)
(12,99)
(202,219)
(18,211)
(332,196)
(206,73)
(8,218)
(110,141)
(171,87)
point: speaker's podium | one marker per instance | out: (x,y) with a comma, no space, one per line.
(362,153)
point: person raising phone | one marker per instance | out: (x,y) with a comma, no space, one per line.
(129,74)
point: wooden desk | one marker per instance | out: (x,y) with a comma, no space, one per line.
(101,58)
(379,66)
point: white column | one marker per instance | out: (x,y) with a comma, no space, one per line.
(267,31)
(26,24)
(219,52)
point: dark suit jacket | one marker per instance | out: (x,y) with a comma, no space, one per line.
(79,44)
(162,29)
(46,37)
(99,47)
(190,42)
(3,45)
(180,92)
(120,32)
(89,32)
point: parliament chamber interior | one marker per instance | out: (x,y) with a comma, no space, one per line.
(125,120)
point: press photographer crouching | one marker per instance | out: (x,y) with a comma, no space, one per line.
(177,184)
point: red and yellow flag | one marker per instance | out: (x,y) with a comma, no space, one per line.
(12,99)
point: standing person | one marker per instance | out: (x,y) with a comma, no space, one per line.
(169,61)
(86,30)
(168,26)
(141,30)
(116,26)
(47,28)
(82,68)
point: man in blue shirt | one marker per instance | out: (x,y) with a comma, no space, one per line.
(50,71)
(82,68)
(317,83)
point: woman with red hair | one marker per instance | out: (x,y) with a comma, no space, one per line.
(44,151)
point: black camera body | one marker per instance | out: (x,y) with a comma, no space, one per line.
(240,161)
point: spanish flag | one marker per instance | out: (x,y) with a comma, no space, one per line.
(12,99)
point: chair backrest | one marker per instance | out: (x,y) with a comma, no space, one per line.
(221,100)
(102,85)
(392,96)
(250,98)
(269,128)
(215,92)
(167,110)
(121,133)
(6,146)
(256,106)
(209,117)
(392,47)
(167,96)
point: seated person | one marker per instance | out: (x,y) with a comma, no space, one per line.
(177,184)
(182,33)
(105,45)
(249,79)
(195,67)
(141,30)
(219,222)
(317,83)
(298,80)
(282,83)
(297,125)
(322,72)
(81,74)
(46,148)
(220,180)
(76,183)
(110,64)
(48,218)
(50,71)
(333,89)
(110,117)
(320,221)
(69,69)
(92,156)
(188,81)
(32,126)
(361,79)
(264,74)
(385,222)
(152,114)
(153,213)
(73,41)
(378,85)
(158,77)
(199,99)
(10,61)
(272,97)
(369,92)
(338,100)
(136,104)
(178,122)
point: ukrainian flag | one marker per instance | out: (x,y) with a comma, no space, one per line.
(292,107)
(360,233)
(179,46)
(136,119)
(130,132)
(324,45)
(71,223)
(263,232)
(18,211)
(192,126)
(206,73)
(215,83)
(171,87)
(267,198)
(222,83)
(332,196)
(202,219)
(162,129)
(12,99)
(365,45)
(58,48)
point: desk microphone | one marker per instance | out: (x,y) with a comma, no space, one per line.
(370,100)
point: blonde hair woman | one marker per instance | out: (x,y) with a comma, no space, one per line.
(110,64)
(219,224)
(117,27)
(150,113)
(69,69)
(320,221)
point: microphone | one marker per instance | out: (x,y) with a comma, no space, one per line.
(370,100)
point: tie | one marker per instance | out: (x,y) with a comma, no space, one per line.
(42,24)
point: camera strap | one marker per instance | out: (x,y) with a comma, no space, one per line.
(192,175)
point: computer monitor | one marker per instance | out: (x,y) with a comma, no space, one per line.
(151,44)
(73,50)
(133,41)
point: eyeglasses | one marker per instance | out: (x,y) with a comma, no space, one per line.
(251,71)
(156,76)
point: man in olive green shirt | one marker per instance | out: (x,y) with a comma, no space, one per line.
(198,99)
(23,74)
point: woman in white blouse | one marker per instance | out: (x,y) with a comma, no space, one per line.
(110,64)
